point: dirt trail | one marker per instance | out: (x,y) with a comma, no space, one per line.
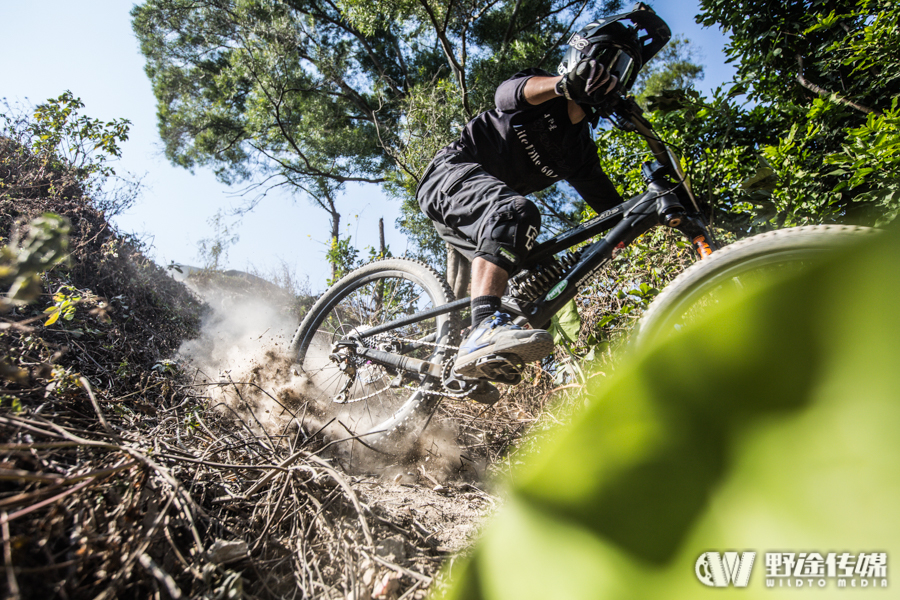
(421,510)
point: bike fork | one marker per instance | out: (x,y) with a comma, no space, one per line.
(696,230)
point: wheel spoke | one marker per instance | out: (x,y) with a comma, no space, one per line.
(371,296)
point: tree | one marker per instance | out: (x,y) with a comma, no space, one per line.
(794,51)
(672,69)
(816,71)
(66,149)
(261,89)
(313,95)
(213,251)
(818,140)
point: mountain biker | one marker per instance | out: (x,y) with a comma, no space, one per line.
(474,189)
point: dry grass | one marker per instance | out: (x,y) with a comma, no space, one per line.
(102,505)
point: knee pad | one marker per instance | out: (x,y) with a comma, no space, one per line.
(509,234)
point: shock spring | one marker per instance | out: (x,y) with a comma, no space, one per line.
(528,285)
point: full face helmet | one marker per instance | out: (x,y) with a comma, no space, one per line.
(623,49)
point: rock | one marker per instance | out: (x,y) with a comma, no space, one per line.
(223,551)
(392,548)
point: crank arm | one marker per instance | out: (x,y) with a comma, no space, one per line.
(404,363)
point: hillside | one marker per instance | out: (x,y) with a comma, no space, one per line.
(152,444)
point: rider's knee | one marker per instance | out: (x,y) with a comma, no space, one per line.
(509,234)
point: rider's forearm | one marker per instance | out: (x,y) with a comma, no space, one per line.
(540,89)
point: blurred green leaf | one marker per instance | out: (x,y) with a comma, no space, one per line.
(768,425)
(45,246)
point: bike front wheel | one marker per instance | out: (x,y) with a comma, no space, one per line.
(385,407)
(742,266)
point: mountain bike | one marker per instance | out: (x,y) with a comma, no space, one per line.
(384,337)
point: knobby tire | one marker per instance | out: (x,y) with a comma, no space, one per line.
(381,291)
(737,265)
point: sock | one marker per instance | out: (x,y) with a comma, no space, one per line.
(483,307)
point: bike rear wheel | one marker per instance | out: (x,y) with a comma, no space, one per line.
(385,407)
(744,265)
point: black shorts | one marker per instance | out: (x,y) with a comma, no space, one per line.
(476,213)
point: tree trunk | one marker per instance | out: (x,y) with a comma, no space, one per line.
(379,287)
(335,232)
(459,272)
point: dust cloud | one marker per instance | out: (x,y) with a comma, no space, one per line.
(243,359)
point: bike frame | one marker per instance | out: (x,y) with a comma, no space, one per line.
(624,224)
(663,204)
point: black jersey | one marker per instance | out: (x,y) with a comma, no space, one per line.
(530,148)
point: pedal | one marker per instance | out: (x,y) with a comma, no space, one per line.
(478,390)
(484,393)
(502,368)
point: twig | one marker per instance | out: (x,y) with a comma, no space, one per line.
(274,511)
(350,494)
(216,465)
(18,474)
(802,80)
(268,476)
(416,585)
(357,437)
(45,569)
(270,396)
(414,574)
(43,503)
(47,446)
(161,576)
(7,559)
(251,411)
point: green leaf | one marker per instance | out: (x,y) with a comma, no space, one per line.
(606,320)
(566,324)
(763,179)
(665,463)
(737,90)
(54,317)
(668,101)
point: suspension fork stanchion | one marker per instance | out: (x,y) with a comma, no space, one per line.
(696,230)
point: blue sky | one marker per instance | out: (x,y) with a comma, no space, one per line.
(49,46)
